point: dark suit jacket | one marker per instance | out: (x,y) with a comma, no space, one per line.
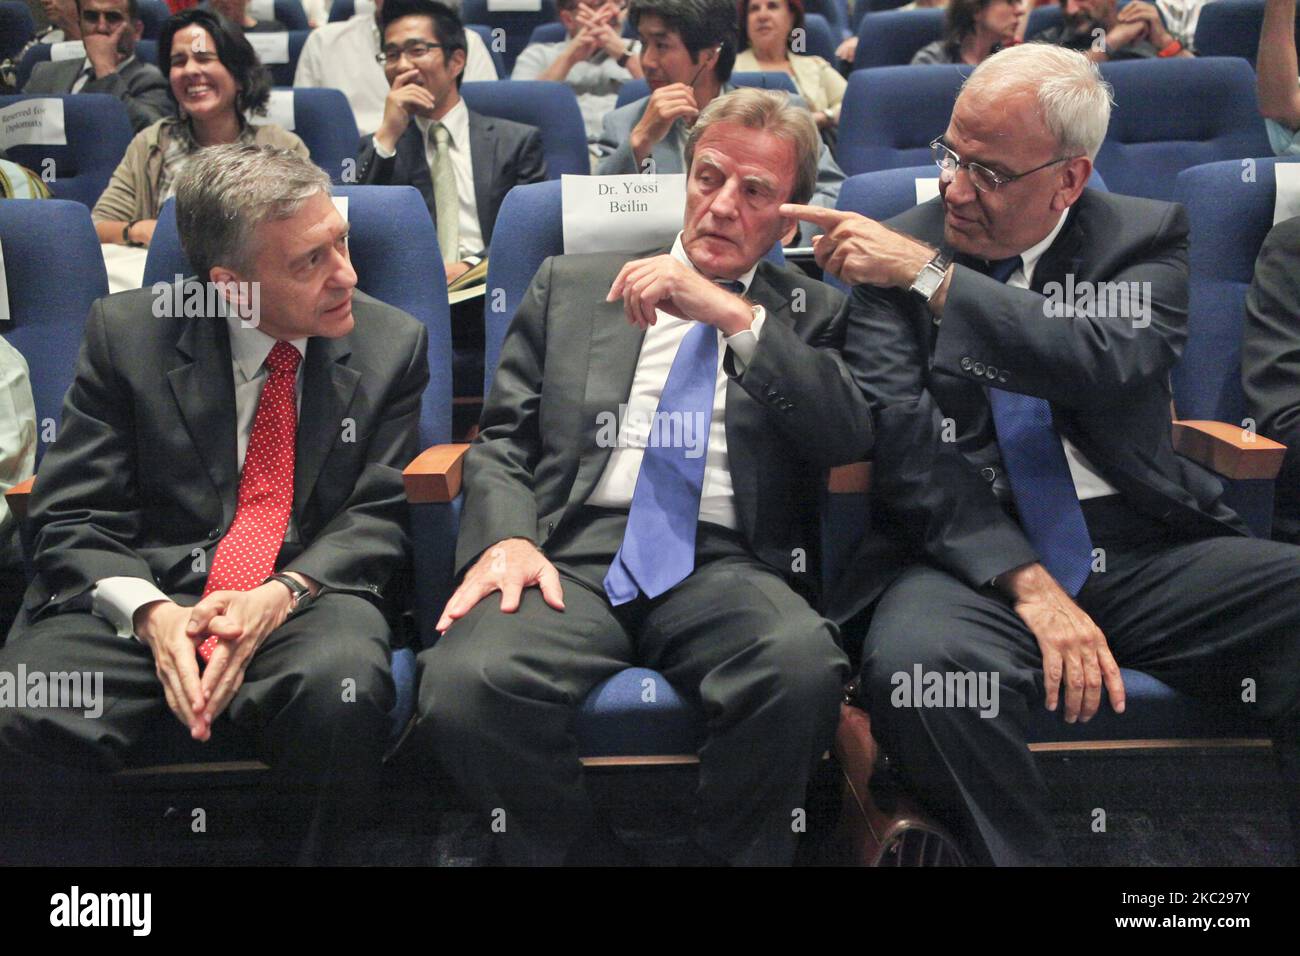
(939,489)
(503,154)
(140,85)
(1270,364)
(569,356)
(144,470)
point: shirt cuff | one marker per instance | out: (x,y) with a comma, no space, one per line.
(745,342)
(117,599)
(380,151)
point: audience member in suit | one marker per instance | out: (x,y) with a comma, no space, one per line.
(110,30)
(766,39)
(17,463)
(594,59)
(1270,364)
(614,542)
(236,11)
(205,502)
(344,56)
(1278,77)
(973,30)
(687,51)
(484,157)
(1101,31)
(1024,470)
(216,80)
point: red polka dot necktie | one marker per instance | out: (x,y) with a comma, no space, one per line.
(246,556)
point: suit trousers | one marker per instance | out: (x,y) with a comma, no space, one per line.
(498,693)
(315,698)
(1201,615)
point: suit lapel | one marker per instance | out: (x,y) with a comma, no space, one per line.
(203,384)
(483,160)
(327,390)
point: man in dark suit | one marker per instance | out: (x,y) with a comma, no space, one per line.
(462,163)
(1270,374)
(110,30)
(646,473)
(182,475)
(1015,339)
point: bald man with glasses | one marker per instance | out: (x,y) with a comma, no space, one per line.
(1034,527)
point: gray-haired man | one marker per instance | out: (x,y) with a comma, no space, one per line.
(247,461)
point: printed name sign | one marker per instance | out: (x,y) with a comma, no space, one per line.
(628,213)
(926,189)
(68,50)
(270,47)
(1286,204)
(33,123)
(279,110)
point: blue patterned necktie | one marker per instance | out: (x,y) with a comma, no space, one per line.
(1040,476)
(658,549)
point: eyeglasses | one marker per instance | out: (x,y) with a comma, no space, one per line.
(983,178)
(111,17)
(415,50)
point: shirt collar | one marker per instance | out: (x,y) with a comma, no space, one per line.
(679,253)
(457,122)
(1029,258)
(250,346)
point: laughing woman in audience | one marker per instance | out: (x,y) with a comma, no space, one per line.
(216,81)
(771,32)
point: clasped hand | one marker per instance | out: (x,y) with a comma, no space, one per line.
(241,620)
(664,283)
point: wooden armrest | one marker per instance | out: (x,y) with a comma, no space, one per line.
(1229,450)
(854,479)
(434,476)
(19,497)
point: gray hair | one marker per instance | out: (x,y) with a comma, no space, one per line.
(772,112)
(224,192)
(1073,100)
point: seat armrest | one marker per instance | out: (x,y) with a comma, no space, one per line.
(1229,450)
(434,476)
(854,479)
(19,497)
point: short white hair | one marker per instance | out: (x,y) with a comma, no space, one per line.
(1073,100)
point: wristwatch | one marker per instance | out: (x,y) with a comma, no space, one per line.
(126,235)
(300,595)
(928,280)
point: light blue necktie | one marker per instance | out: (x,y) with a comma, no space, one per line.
(658,549)
(1040,476)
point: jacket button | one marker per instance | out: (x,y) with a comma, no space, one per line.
(965,363)
(991,373)
(1002,377)
(978,368)
(214,533)
(988,473)
(550,527)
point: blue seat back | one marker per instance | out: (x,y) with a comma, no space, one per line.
(322,118)
(291,14)
(819,38)
(1232,28)
(893,37)
(495,50)
(394,249)
(98,132)
(36,53)
(891,115)
(342,10)
(634,90)
(17,27)
(836,15)
(54,271)
(153,14)
(551,107)
(1152,138)
(518,25)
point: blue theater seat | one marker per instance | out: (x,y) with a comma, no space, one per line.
(54,271)
(836,15)
(892,38)
(153,14)
(634,90)
(16,27)
(322,118)
(98,132)
(518,25)
(891,115)
(551,107)
(1232,28)
(821,40)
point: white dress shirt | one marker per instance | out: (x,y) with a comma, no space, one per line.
(457,122)
(1088,482)
(88,73)
(618,480)
(342,56)
(17,442)
(116,599)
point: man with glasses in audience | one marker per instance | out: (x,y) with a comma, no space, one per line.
(110,30)
(463,163)
(1015,338)
(594,60)
(341,56)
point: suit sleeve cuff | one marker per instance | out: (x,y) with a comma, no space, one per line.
(380,151)
(117,599)
(745,342)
